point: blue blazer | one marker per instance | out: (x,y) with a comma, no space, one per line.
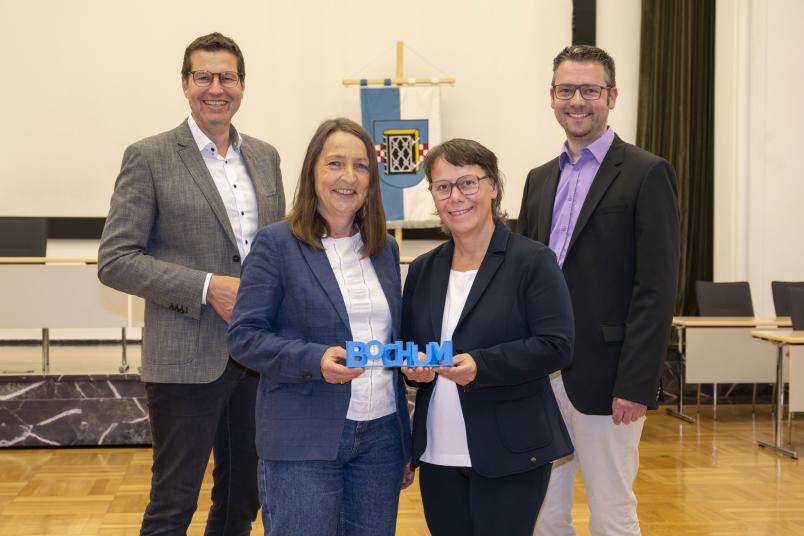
(289,310)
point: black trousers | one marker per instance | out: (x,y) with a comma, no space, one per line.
(459,502)
(188,421)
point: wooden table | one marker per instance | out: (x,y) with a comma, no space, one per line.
(793,342)
(720,350)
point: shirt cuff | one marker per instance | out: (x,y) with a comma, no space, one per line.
(206,286)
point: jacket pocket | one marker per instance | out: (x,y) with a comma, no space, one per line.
(522,424)
(613,333)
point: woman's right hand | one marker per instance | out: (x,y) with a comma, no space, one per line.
(419,374)
(333,371)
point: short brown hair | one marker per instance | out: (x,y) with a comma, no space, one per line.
(304,220)
(584,53)
(462,152)
(212,43)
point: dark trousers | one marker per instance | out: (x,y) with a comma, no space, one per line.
(457,500)
(188,421)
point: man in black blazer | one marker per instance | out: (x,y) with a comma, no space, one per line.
(609,210)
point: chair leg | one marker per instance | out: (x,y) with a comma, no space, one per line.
(698,401)
(754,399)
(714,401)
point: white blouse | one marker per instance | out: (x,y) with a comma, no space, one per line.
(369,319)
(446,429)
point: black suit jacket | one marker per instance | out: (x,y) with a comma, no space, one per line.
(517,325)
(621,268)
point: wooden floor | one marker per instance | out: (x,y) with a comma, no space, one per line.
(696,479)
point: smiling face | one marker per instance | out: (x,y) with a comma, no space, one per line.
(462,214)
(583,121)
(341,181)
(213,106)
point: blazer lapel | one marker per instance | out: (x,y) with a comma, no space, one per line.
(439,281)
(386,272)
(319,265)
(259,169)
(194,162)
(609,169)
(546,202)
(491,262)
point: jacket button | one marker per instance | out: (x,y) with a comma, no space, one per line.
(236,258)
(533,460)
(306,375)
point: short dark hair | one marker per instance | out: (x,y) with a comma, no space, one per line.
(307,224)
(463,152)
(212,43)
(586,53)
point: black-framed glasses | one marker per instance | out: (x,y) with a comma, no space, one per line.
(205,78)
(468,185)
(588,91)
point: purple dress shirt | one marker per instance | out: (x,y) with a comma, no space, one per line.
(573,186)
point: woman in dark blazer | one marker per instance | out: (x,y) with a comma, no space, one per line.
(332,440)
(485,430)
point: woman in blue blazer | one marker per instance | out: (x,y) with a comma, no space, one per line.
(485,430)
(332,440)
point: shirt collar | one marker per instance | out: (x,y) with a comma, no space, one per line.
(203,141)
(597,149)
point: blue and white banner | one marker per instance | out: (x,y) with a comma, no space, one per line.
(404,123)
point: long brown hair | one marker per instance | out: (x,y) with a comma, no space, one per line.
(307,224)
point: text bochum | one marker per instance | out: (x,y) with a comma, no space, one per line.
(374,354)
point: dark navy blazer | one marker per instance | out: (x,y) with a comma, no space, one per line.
(517,325)
(289,310)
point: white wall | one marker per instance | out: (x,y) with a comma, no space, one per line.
(84,79)
(758,138)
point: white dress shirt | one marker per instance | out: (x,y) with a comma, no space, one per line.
(446,429)
(234,185)
(369,319)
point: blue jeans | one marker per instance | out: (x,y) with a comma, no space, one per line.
(356,494)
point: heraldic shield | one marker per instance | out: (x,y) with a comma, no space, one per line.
(401,141)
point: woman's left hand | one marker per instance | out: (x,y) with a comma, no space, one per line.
(463,370)
(407,476)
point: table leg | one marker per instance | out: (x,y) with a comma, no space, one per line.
(679,412)
(777,444)
(45,350)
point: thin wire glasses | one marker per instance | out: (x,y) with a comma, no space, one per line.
(205,78)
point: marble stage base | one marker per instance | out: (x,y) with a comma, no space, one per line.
(73,410)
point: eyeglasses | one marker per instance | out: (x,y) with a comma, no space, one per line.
(205,78)
(468,185)
(588,91)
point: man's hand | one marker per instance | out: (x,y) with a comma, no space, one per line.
(626,412)
(463,371)
(419,374)
(221,294)
(331,369)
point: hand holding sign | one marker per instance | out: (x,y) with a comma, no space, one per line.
(331,368)
(463,372)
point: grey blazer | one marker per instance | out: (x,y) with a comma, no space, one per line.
(167,228)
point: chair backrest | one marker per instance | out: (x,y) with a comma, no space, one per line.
(724,299)
(796,301)
(23,237)
(781,298)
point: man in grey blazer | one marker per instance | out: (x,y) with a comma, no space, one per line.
(185,208)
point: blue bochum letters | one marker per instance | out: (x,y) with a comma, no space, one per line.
(374,354)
